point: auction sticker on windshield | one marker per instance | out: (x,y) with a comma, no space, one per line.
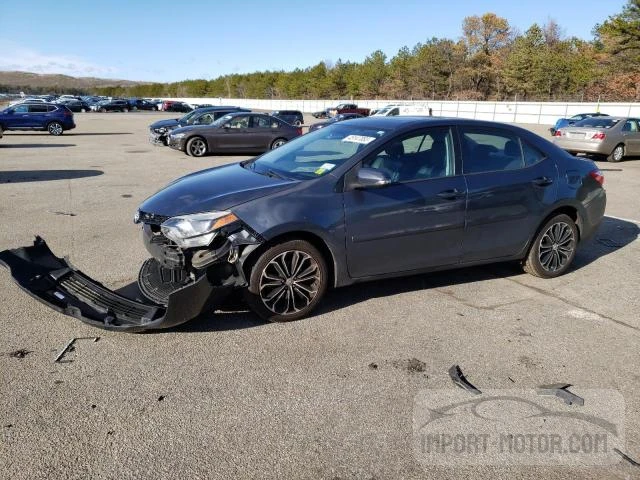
(325,167)
(358,139)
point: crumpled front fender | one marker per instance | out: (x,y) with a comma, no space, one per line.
(56,283)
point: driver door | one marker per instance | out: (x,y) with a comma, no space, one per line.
(415,222)
(233,137)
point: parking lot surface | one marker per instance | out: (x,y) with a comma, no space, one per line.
(331,396)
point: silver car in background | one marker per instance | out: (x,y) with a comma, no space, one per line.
(613,137)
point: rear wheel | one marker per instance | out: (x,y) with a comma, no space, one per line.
(617,154)
(278,142)
(287,281)
(125,110)
(196,147)
(103,110)
(55,128)
(554,248)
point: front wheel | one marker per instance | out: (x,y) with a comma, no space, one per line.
(278,142)
(196,147)
(617,154)
(554,248)
(55,128)
(287,281)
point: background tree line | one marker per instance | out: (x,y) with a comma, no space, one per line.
(490,61)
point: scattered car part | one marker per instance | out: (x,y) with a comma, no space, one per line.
(69,347)
(560,390)
(627,458)
(455,372)
(56,283)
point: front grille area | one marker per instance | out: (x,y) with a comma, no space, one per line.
(104,300)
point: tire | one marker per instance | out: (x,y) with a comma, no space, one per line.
(278,142)
(134,109)
(1,131)
(125,110)
(83,110)
(103,110)
(617,154)
(55,129)
(553,249)
(276,296)
(196,147)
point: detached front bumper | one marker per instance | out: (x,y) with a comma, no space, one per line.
(56,283)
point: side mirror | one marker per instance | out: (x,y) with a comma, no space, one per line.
(370,178)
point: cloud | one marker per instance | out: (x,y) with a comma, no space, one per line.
(27,60)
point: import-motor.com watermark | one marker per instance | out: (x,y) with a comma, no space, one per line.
(517,427)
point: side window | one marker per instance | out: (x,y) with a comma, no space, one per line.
(490,150)
(404,159)
(394,112)
(37,108)
(263,122)
(21,109)
(630,126)
(241,121)
(51,108)
(531,154)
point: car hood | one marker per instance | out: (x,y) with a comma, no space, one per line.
(169,123)
(218,188)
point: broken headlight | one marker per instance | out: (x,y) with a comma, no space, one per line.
(197,230)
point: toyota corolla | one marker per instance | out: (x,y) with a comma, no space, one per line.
(366,199)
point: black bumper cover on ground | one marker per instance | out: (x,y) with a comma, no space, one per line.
(58,284)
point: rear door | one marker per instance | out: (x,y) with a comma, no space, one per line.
(264,129)
(417,221)
(37,117)
(510,186)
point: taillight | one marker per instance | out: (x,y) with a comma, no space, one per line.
(558,133)
(299,130)
(598,136)
(597,176)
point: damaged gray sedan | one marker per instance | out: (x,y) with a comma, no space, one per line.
(356,201)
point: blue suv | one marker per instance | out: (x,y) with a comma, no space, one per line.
(49,117)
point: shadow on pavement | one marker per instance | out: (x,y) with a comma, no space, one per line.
(613,235)
(38,145)
(66,134)
(21,176)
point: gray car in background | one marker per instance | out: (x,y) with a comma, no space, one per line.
(238,132)
(612,137)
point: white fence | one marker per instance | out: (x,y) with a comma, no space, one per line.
(517,112)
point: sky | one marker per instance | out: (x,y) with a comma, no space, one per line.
(174,40)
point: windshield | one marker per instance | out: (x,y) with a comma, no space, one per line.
(315,154)
(187,117)
(597,122)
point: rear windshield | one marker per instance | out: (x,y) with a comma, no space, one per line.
(597,122)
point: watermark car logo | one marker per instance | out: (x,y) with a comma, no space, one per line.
(517,427)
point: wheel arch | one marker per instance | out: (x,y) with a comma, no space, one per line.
(314,239)
(568,209)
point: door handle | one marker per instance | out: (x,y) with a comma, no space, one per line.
(542,181)
(452,194)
